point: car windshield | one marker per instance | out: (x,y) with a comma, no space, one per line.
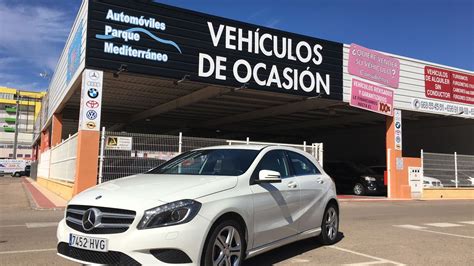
(226,162)
(362,169)
(379,169)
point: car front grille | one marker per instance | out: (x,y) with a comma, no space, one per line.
(113,220)
(107,258)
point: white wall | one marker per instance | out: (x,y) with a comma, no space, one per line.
(59,87)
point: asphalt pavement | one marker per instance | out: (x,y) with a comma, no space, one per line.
(372,232)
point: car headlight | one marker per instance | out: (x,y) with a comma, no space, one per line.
(177,212)
(369,179)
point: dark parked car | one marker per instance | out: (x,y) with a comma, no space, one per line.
(355,178)
(379,169)
(25,172)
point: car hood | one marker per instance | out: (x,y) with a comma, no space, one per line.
(148,190)
(378,176)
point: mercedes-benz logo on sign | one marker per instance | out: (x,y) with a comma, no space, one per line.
(91,219)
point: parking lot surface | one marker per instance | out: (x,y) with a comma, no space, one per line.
(372,232)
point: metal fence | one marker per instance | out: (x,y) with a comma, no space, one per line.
(123,154)
(448,170)
(136,153)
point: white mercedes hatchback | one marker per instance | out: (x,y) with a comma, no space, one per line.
(211,206)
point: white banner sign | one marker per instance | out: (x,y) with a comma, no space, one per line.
(438,107)
(12,165)
(91,100)
(398,129)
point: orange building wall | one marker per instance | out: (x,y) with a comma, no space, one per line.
(87,160)
(398,179)
(56,130)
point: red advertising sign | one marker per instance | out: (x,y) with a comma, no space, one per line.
(449,85)
(437,83)
(371,97)
(463,87)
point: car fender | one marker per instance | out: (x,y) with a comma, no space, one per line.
(217,206)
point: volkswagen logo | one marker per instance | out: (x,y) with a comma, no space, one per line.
(91,219)
(91,114)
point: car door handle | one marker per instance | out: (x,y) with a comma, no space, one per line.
(320,181)
(292,184)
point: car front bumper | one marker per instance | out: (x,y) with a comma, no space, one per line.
(135,247)
(373,188)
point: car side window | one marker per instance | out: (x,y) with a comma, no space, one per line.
(302,165)
(275,161)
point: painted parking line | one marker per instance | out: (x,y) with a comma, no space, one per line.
(40,225)
(365,263)
(32,225)
(377,259)
(467,222)
(422,229)
(12,225)
(297,260)
(448,234)
(443,225)
(27,251)
(410,226)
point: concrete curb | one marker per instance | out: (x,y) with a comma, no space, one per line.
(37,199)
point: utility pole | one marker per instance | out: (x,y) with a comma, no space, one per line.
(17,115)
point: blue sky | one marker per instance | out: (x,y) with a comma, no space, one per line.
(442,31)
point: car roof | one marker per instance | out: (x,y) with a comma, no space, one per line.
(250,147)
(235,147)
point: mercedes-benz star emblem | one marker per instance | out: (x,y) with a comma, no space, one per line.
(91,219)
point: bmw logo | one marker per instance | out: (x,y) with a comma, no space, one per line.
(93,93)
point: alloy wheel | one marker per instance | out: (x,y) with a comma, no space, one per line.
(227,247)
(358,189)
(331,223)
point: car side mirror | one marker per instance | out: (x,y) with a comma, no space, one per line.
(268,176)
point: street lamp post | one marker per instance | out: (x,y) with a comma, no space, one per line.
(17,115)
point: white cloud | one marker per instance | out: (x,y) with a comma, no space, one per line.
(17,82)
(8,60)
(32,33)
(272,23)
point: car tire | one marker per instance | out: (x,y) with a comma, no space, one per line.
(359,189)
(329,225)
(16,174)
(221,247)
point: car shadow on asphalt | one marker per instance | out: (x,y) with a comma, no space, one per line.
(287,252)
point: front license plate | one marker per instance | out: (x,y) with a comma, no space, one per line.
(89,243)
